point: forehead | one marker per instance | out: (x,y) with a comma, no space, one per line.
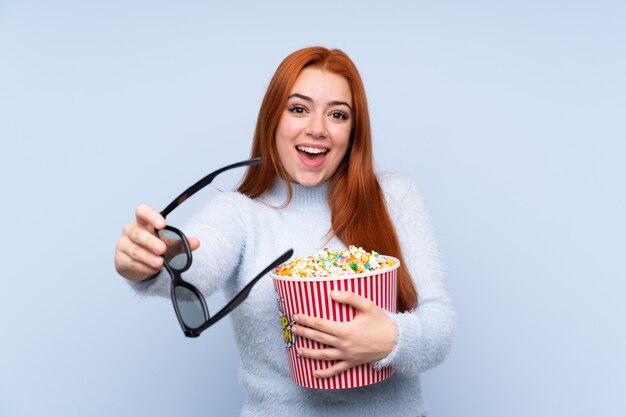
(322,85)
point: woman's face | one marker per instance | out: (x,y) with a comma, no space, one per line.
(313,133)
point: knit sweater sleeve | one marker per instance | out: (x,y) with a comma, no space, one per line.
(219,227)
(425,334)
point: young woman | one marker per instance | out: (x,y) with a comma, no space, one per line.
(315,188)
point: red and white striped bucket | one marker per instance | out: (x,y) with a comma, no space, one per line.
(311,296)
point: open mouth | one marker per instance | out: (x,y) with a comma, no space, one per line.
(312,154)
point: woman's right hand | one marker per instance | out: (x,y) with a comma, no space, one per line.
(138,251)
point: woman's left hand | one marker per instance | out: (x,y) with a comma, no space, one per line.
(370,336)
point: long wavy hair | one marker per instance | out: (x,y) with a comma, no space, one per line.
(359,213)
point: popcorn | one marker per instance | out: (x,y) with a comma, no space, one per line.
(328,262)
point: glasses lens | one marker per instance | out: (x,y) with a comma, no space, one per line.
(189,307)
(175,255)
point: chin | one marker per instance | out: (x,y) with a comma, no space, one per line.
(309,181)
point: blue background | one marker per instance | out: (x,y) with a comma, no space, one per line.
(509,115)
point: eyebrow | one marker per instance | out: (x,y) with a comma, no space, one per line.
(309,99)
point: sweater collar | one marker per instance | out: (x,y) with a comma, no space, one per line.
(302,196)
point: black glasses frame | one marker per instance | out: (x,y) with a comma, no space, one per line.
(176,273)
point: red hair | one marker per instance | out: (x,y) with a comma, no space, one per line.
(357,205)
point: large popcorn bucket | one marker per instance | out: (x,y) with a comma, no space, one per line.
(311,296)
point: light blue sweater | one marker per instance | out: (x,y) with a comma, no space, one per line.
(240,236)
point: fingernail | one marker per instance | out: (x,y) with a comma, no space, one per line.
(159,223)
(295,317)
(334,293)
(299,352)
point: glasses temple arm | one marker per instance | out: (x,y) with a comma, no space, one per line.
(243,294)
(203,183)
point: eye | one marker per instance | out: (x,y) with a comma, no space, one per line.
(339,115)
(296,109)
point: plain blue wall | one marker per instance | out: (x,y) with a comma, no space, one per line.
(510,115)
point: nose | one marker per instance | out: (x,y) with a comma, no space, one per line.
(317,127)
